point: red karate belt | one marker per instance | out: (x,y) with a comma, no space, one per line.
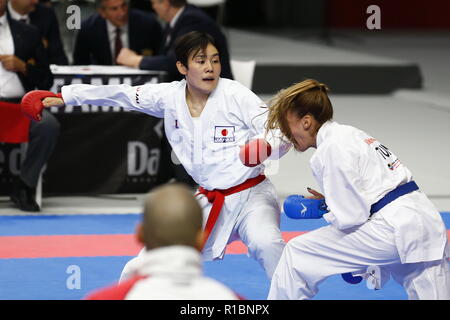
(217,198)
(14,125)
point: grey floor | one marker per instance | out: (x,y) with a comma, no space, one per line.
(416,132)
(414,124)
(282,49)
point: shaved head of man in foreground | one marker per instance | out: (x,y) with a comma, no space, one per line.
(172,216)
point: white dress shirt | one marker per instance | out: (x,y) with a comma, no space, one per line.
(10,85)
(112,37)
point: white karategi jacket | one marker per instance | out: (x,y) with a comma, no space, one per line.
(207,147)
(175,273)
(354,171)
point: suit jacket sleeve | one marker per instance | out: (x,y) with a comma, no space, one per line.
(168,62)
(160,63)
(55,47)
(81,53)
(38,73)
(155,36)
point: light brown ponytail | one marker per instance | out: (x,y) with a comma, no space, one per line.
(306,97)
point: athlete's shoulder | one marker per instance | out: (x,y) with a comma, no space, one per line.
(239,93)
(161,90)
(115,292)
(233,84)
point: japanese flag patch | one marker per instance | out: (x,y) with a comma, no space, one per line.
(224,134)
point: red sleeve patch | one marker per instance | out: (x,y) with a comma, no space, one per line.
(239,296)
(114,292)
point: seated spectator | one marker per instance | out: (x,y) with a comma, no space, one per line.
(24,67)
(114,27)
(44,18)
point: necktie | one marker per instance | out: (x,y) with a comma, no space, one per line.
(118,44)
(24,20)
(167,37)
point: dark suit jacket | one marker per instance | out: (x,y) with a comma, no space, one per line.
(92,43)
(28,47)
(191,19)
(44,18)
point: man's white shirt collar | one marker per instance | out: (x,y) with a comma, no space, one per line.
(175,19)
(15,15)
(3,21)
(112,29)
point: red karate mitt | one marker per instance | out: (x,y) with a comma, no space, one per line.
(32,103)
(255,152)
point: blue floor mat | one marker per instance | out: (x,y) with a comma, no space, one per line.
(117,224)
(46,278)
(246,277)
(68,224)
(52,279)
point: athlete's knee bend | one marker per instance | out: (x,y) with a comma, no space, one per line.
(266,241)
(295,252)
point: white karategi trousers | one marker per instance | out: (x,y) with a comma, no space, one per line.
(310,258)
(252,215)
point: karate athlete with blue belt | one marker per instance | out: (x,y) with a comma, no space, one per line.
(208,121)
(378,216)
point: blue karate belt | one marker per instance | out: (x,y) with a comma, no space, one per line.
(392,195)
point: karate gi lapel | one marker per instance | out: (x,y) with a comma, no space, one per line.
(212,112)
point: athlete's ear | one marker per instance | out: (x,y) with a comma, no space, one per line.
(140,233)
(181,68)
(307,122)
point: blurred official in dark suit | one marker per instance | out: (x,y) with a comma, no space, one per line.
(44,18)
(181,18)
(114,27)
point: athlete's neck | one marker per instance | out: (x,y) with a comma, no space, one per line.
(196,102)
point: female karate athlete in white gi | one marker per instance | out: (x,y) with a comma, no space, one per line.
(206,119)
(377,215)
